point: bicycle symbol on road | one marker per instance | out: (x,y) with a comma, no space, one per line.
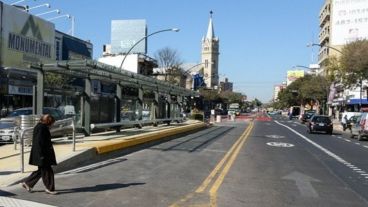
(279,144)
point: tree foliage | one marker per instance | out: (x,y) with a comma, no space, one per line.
(352,66)
(306,90)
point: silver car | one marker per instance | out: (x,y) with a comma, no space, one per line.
(7,131)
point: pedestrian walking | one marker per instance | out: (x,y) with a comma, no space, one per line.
(43,156)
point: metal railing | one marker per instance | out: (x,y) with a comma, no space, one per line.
(25,135)
(134,123)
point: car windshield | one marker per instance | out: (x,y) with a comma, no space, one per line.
(4,124)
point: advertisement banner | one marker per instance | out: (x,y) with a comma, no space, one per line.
(292,75)
(349,21)
(25,39)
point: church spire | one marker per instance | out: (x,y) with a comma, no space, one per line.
(210,30)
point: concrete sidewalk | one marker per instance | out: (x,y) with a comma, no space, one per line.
(88,149)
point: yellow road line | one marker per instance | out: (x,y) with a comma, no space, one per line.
(229,159)
(208,180)
(221,177)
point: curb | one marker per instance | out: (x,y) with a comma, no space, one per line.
(140,139)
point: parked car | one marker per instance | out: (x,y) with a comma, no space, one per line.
(320,123)
(7,131)
(307,115)
(359,128)
(8,124)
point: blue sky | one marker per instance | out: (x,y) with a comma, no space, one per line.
(259,40)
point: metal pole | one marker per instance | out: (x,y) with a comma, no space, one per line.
(73,126)
(22,152)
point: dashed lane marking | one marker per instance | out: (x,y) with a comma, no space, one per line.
(328,152)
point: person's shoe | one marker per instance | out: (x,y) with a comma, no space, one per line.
(25,186)
(51,192)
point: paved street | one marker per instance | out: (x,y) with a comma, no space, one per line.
(260,163)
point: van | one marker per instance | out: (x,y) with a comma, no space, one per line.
(359,126)
(294,112)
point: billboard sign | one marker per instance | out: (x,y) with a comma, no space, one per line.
(25,39)
(292,75)
(349,21)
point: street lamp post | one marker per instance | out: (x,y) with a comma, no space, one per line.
(164,30)
(319,45)
(67,16)
(38,6)
(55,10)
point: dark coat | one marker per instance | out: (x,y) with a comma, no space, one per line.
(42,152)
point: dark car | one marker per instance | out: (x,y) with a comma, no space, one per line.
(320,123)
(307,115)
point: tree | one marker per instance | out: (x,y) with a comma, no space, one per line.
(352,66)
(306,90)
(169,60)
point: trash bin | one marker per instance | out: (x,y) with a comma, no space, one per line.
(218,118)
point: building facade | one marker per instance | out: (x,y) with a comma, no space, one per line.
(126,33)
(210,56)
(26,40)
(226,85)
(341,22)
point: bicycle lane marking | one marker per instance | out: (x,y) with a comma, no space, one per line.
(328,152)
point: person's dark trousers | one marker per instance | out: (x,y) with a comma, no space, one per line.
(47,175)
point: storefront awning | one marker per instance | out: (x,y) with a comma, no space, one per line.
(356,101)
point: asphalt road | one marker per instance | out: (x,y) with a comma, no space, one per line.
(260,163)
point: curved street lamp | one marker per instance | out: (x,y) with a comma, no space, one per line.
(67,16)
(319,45)
(38,6)
(55,10)
(17,2)
(164,30)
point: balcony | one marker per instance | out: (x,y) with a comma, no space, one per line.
(325,14)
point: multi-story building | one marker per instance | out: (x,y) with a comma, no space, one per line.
(277,90)
(210,56)
(226,85)
(341,22)
(27,40)
(123,51)
(126,33)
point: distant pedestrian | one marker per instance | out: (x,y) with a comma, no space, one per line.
(43,156)
(344,122)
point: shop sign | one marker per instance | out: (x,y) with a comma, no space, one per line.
(26,39)
(20,90)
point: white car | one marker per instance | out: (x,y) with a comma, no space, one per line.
(7,132)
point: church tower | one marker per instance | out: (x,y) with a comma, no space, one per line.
(210,56)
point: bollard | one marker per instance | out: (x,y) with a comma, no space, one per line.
(218,118)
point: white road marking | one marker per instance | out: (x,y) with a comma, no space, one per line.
(357,143)
(280,144)
(12,202)
(365,146)
(347,140)
(328,152)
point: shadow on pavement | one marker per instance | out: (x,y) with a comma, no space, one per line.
(5,193)
(96,188)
